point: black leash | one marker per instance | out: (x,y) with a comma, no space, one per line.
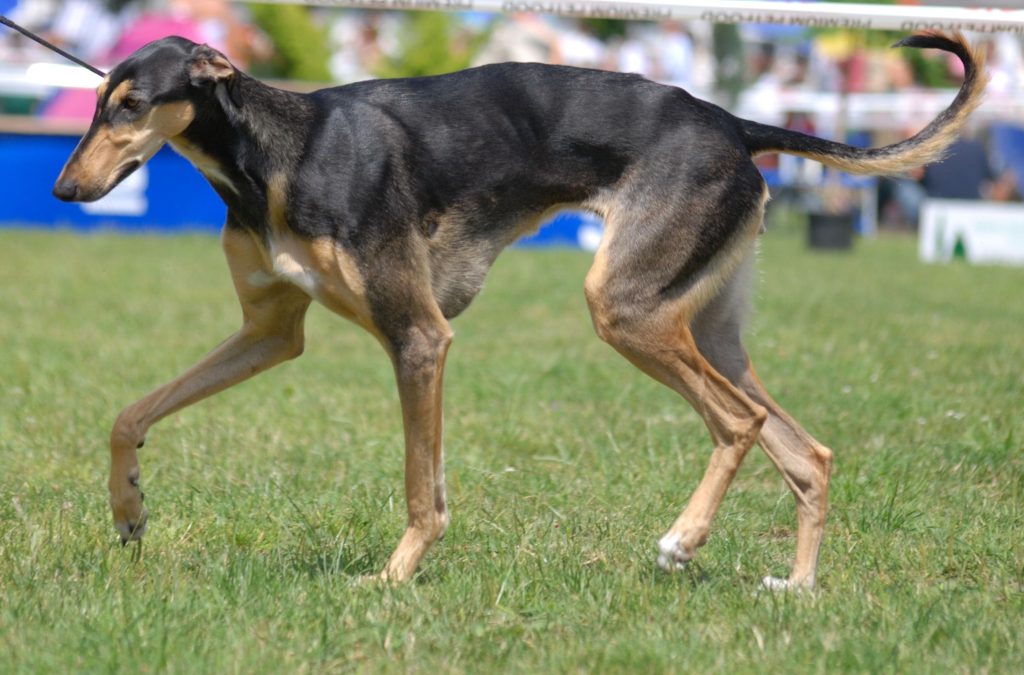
(32,36)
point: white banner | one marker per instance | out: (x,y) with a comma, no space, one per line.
(808,14)
(982,232)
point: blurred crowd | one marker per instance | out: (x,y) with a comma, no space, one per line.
(106,31)
(746,69)
(690,55)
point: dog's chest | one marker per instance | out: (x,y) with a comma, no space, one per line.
(323,270)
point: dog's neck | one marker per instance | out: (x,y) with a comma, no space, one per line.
(240,148)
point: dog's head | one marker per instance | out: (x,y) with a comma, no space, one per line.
(148,99)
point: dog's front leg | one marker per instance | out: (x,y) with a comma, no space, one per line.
(272,332)
(419,367)
(241,356)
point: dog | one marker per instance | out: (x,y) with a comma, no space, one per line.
(387,201)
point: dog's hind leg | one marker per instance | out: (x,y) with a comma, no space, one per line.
(642,296)
(806,466)
(418,357)
(805,463)
(273,314)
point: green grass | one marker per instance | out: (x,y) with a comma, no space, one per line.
(564,463)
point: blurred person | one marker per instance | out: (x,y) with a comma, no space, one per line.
(521,37)
(856,70)
(663,52)
(765,87)
(675,57)
(214,22)
(578,46)
(355,45)
(225,23)
(1006,65)
(899,74)
(633,54)
(87,28)
(965,173)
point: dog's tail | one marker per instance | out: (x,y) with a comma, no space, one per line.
(925,147)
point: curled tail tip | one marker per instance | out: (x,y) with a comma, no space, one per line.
(925,147)
(956,43)
(974,58)
(934,39)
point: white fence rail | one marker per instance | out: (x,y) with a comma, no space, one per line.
(809,14)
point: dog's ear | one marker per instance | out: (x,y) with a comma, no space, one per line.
(208,68)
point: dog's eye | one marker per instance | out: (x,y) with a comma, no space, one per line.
(132,101)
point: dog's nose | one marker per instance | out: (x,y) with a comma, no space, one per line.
(65,190)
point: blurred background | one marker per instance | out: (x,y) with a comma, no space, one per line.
(845,85)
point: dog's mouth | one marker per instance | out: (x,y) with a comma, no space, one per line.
(120,174)
(123,173)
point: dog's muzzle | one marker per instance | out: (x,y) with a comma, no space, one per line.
(65,190)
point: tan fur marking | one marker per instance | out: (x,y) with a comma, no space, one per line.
(595,279)
(171,119)
(207,165)
(102,88)
(321,267)
(120,91)
(277,200)
(724,265)
(663,346)
(111,148)
(715,276)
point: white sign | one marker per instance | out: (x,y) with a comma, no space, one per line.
(982,232)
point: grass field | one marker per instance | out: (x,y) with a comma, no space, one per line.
(564,467)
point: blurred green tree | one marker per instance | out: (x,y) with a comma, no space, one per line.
(301,45)
(431,43)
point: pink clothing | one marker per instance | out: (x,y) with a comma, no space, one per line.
(151,27)
(79,104)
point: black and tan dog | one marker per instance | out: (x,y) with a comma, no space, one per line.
(387,201)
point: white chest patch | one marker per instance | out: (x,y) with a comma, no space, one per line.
(288,264)
(286,267)
(261,279)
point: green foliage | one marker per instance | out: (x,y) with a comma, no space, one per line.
(729,61)
(302,46)
(565,464)
(432,43)
(875,39)
(929,68)
(605,29)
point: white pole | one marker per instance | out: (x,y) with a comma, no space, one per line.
(808,14)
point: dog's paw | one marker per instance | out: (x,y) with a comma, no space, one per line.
(671,553)
(130,517)
(132,530)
